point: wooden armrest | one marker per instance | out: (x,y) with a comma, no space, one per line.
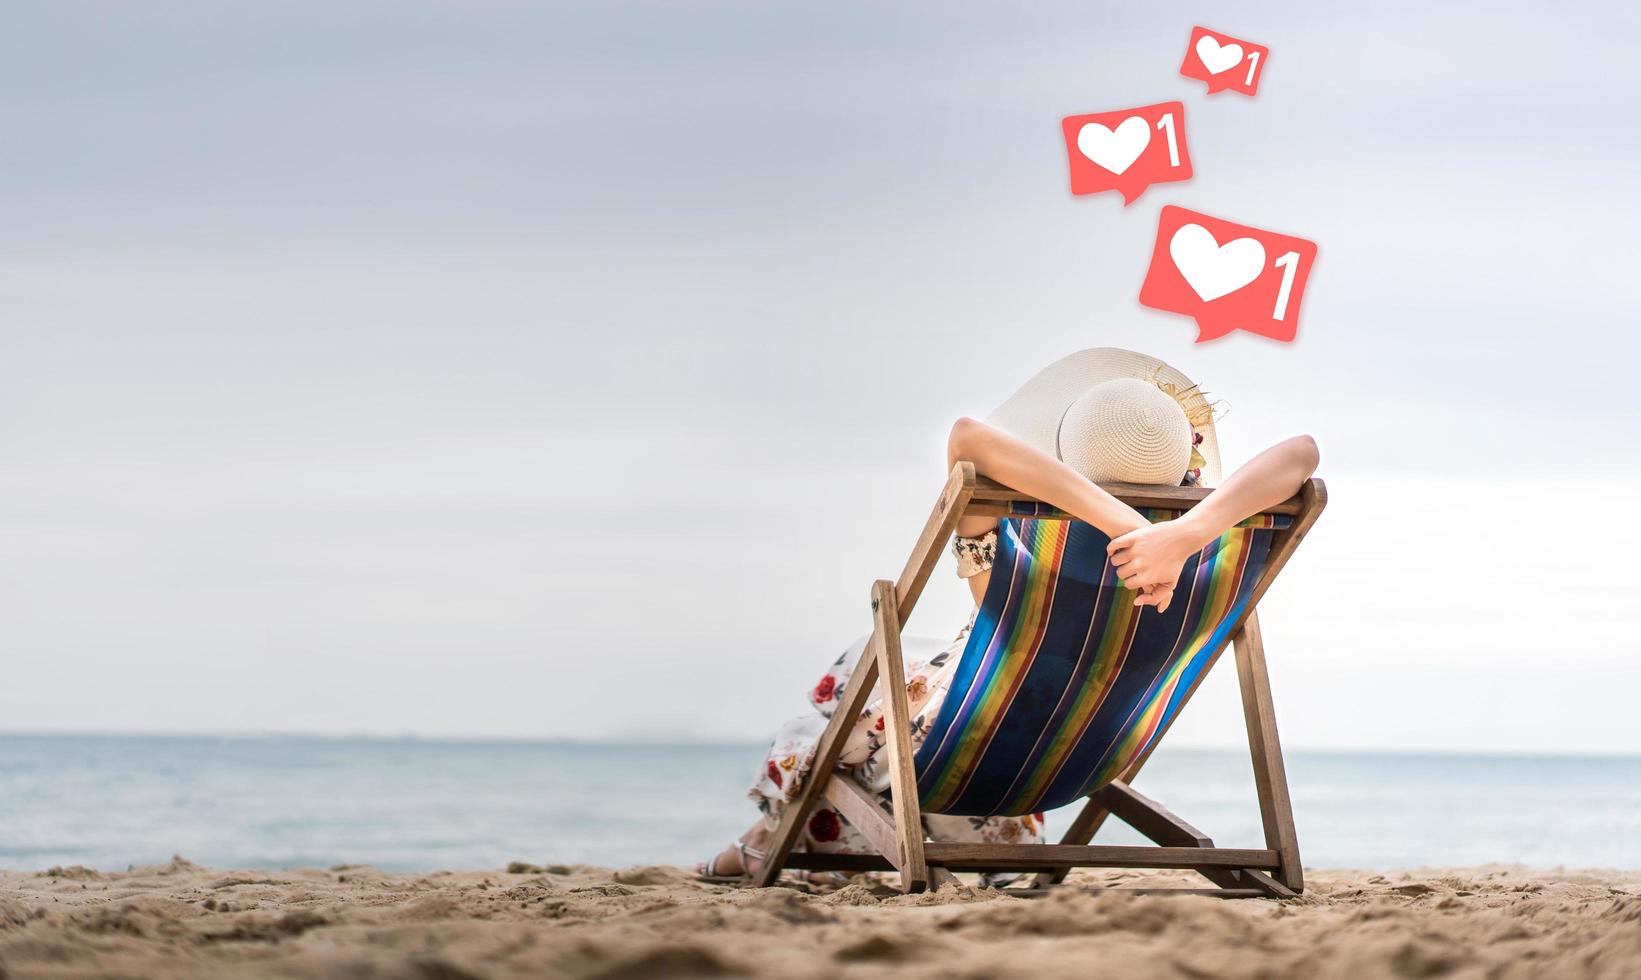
(989,491)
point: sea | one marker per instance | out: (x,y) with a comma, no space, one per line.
(411,804)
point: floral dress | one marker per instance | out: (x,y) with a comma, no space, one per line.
(865,749)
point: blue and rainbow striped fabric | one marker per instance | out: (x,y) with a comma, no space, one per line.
(1064,682)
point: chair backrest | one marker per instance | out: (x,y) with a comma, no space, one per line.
(1064,682)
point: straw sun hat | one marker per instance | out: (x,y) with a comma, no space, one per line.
(1117,416)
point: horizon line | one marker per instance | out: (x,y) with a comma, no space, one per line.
(698,743)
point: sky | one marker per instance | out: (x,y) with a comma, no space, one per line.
(549,370)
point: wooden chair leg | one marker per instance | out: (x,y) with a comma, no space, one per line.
(1082,830)
(1156,822)
(941,878)
(948,509)
(1162,826)
(1270,776)
(907,816)
(850,705)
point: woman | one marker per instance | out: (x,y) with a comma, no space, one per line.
(1097,416)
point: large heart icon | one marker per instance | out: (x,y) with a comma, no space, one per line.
(1213,269)
(1216,58)
(1115,150)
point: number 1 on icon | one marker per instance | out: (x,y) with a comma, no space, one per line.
(1288,263)
(1253,65)
(1166,124)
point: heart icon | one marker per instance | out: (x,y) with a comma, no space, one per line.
(1212,269)
(1115,150)
(1216,58)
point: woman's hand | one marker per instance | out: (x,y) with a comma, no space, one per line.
(1149,560)
(1160,596)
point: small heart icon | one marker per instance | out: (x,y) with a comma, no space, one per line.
(1217,58)
(1115,150)
(1210,268)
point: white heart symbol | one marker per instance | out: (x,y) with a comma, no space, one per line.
(1213,269)
(1215,58)
(1115,151)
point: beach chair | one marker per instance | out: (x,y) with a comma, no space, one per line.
(1063,691)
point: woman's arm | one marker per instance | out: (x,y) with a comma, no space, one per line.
(1151,556)
(1025,468)
(1003,458)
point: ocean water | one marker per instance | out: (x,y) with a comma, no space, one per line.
(418,805)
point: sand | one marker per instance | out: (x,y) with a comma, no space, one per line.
(181,920)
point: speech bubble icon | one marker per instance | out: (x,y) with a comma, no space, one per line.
(1224,62)
(1127,150)
(1227,276)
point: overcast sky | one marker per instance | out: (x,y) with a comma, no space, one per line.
(545,370)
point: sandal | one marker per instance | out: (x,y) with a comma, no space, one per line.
(708,871)
(1003,880)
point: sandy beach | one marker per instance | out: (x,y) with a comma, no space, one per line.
(181,920)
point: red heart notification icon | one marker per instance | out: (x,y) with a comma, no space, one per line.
(1227,276)
(1127,150)
(1224,62)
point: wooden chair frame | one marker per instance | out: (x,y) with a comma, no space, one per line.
(1269,872)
